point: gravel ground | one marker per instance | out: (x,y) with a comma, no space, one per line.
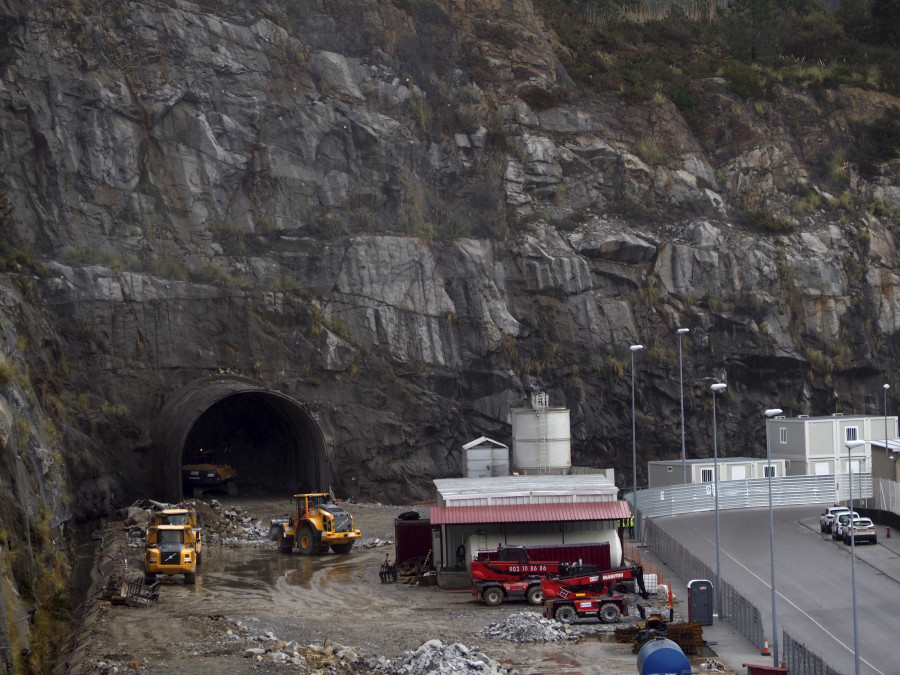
(255,610)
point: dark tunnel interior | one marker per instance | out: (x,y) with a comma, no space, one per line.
(272,443)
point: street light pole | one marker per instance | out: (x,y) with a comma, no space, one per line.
(715,389)
(634,497)
(772,412)
(850,445)
(886,462)
(682,331)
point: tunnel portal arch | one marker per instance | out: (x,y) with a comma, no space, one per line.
(273,441)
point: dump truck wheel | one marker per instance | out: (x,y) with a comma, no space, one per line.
(609,613)
(199,558)
(231,488)
(492,596)
(565,614)
(534,595)
(305,541)
(149,579)
(342,548)
(190,578)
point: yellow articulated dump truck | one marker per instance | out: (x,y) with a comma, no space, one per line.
(185,518)
(170,550)
(317,524)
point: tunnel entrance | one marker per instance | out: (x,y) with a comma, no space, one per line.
(272,441)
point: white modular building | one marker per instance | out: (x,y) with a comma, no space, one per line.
(817,446)
(670,472)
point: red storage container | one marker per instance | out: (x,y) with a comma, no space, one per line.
(413,539)
(589,554)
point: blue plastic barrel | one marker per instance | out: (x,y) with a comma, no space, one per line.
(662,657)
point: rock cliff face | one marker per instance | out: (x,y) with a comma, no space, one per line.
(352,204)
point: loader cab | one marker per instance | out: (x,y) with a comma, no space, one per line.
(308,503)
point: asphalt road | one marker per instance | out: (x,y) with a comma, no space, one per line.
(812,578)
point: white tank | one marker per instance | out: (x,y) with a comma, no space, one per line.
(541,438)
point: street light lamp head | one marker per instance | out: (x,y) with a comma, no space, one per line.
(636,348)
(682,331)
(718,386)
(771,412)
(854,444)
(886,386)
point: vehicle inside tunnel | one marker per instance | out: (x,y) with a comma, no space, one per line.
(271,444)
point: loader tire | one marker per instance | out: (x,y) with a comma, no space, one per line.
(149,579)
(492,596)
(609,613)
(305,541)
(342,548)
(534,595)
(565,614)
(190,578)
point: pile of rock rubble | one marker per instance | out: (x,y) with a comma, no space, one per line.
(266,647)
(436,658)
(530,627)
(233,526)
(431,658)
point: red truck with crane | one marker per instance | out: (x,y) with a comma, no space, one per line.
(513,576)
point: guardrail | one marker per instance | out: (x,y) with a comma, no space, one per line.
(673,500)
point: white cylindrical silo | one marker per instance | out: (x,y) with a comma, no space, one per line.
(542,438)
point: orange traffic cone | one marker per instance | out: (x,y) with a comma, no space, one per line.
(765,651)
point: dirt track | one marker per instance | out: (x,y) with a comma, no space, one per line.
(244,592)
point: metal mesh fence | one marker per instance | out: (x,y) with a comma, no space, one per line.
(738,611)
(801,661)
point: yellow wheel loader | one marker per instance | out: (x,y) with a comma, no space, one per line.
(318,523)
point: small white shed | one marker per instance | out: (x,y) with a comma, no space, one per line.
(485,458)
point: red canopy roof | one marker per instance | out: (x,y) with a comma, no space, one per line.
(529,513)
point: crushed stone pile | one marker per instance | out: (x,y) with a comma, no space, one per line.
(529,627)
(265,646)
(436,658)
